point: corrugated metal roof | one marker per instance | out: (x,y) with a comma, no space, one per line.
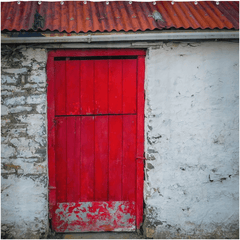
(79,16)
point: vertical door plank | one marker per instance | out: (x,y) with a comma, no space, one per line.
(51,133)
(60,87)
(87,159)
(71,160)
(61,163)
(77,158)
(115,86)
(101,158)
(115,158)
(140,140)
(73,88)
(129,157)
(87,87)
(101,86)
(129,85)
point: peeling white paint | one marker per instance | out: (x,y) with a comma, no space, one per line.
(192,138)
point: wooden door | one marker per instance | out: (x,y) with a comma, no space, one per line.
(95,139)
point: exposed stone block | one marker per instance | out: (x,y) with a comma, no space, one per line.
(35,124)
(6,93)
(41,108)
(7,151)
(20,109)
(36,99)
(9,79)
(37,77)
(15,101)
(25,147)
(4,110)
(5,121)
(16,71)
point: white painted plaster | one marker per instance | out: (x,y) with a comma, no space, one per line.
(192,138)
(26,206)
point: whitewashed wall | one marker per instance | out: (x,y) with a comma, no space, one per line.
(191,130)
(24,198)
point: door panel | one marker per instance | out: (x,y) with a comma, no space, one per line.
(72,88)
(101,86)
(87,159)
(115,157)
(61,161)
(87,87)
(60,89)
(101,158)
(129,85)
(96,143)
(129,158)
(115,86)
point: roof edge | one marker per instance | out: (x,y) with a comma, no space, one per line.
(117,37)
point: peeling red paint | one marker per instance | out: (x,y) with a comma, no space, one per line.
(94,216)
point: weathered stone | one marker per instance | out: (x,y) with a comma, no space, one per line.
(15,101)
(16,71)
(16,132)
(7,87)
(8,171)
(8,79)
(6,93)
(30,85)
(37,77)
(4,110)
(3,139)
(36,124)
(36,99)
(41,108)
(7,151)
(149,232)
(39,55)
(27,167)
(20,109)
(25,147)
(3,228)
(5,121)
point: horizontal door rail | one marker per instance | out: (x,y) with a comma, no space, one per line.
(93,115)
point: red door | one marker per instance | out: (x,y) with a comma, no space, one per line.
(95,139)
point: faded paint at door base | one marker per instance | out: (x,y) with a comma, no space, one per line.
(94,216)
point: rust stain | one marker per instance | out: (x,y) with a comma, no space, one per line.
(10,166)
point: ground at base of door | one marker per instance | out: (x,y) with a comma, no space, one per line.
(102,235)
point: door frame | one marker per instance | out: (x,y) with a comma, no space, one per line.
(140,54)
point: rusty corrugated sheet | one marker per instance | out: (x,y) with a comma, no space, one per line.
(76,16)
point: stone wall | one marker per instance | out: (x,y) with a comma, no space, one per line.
(191,124)
(191,141)
(24,195)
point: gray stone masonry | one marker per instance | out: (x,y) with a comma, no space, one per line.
(24,212)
